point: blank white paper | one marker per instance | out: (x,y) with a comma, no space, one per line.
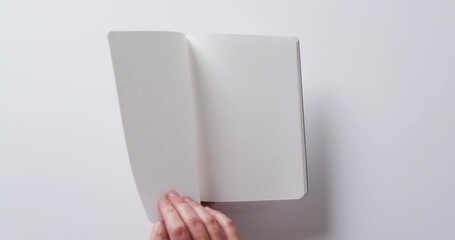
(156,101)
(216,117)
(249,106)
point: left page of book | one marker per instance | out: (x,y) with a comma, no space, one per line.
(156,102)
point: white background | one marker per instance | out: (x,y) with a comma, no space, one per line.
(379,98)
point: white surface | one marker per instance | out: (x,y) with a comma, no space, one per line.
(379,93)
(152,73)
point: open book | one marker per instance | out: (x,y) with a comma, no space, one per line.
(216,117)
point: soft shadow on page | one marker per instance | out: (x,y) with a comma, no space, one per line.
(206,181)
(306,218)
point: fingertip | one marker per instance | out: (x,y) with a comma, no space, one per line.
(189,200)
(163,203)
(172,193)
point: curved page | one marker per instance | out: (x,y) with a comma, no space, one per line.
(156,102)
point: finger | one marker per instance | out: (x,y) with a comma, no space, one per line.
(159,232)
(226,224)
(175,227)
(210,222)
(188,215)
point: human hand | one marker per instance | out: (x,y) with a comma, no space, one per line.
(186,219)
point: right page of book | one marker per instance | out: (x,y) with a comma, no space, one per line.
(250,117)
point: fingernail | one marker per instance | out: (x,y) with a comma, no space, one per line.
(188,199)
(172,193)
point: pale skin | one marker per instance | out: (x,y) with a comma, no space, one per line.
(186,219)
